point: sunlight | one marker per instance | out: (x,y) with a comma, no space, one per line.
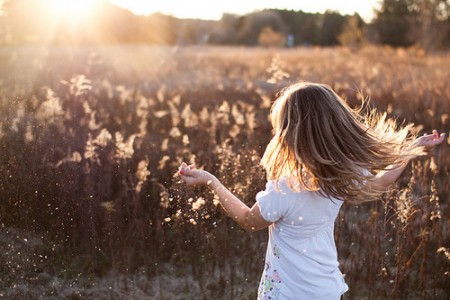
(195,9)
(74,9)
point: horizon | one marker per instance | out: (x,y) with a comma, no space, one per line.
(196,9)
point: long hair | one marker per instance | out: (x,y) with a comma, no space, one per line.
(321,144)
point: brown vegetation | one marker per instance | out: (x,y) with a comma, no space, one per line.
(90,142)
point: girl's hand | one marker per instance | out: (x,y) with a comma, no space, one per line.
(191,176)
(430,140)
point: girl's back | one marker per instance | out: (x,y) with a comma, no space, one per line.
(301,258)
(325,145)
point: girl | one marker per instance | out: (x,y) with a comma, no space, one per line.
(322,153)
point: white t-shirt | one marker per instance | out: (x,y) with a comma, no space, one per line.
(301,257)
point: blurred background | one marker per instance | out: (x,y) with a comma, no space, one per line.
(423,23)
(100,102)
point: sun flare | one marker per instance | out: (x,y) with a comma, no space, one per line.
(73,9)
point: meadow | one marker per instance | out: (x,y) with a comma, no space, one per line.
(91,138)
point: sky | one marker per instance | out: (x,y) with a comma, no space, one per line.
(213,9)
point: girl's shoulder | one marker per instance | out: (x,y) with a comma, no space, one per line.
(280,202)
(287,186)
(285,193)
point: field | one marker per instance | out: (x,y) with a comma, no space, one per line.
(91,139)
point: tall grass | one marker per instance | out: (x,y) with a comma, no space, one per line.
(90,142)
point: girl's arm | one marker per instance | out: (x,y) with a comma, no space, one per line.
(248,218)
(385,178)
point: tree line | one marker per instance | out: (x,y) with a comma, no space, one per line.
(403,23)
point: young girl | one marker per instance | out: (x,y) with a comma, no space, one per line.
(322,153)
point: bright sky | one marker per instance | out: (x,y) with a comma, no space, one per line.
(213,9)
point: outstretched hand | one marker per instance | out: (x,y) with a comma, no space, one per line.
(191,176)
(430,140)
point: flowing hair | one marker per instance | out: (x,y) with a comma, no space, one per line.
(321,144)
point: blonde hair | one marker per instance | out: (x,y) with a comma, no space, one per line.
(321,144)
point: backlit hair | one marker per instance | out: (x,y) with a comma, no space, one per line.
(321,144)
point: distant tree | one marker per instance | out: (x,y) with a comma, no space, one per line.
(431,23)
(352,34)
(194,31)
(308,32)
(302,25)
(30,21)
(159,29)
(407,22)
(225,31)
(112,24)
(393,21)
(270,38)
(187,33)
(252,25)
(329,28)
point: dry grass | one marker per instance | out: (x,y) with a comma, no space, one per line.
(90,140)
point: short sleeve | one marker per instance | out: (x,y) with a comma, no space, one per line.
(273,206)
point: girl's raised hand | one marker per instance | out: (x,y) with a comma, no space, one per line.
(430,140)
(191,176)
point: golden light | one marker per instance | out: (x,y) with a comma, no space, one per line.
(71,9)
